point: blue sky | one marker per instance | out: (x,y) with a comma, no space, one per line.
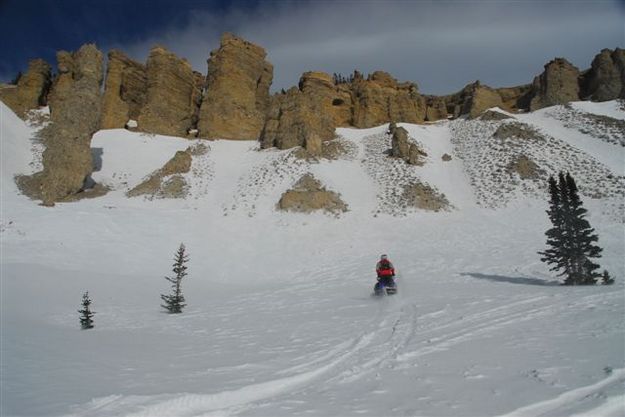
(441,45)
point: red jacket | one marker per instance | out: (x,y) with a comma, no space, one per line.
(385,269)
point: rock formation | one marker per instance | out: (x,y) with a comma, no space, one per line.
(172,95)
(335,100)
(308,195)
(558,84)
(515,98)
(381,99)
(318,106)
(125,93)
(424,197)
(436,109)
(237,91)
(493,116)
(158,185)
(606,78)
(295,118)
(473,100)
(75,115)
(516,130)
(31,90)
(525,168)
(404,149)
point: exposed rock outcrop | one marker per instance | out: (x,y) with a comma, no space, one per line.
(158,185)
(493,116)
(518,131)
(75,115)
(381,99)
(525,168)
(558,84)
(125,92)
(436,109)
(424,197)
(515,98)
(318,106)
(473,100)
(308,195)
(296,118)
(403,148)
(606,78)
(31,90)
(335,100)
(172,95)
(237,91)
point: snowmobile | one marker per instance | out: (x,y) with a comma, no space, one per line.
(385,286)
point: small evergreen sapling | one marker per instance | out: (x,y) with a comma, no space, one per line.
(174,303)
(86,315)
(571,240)
(606,279)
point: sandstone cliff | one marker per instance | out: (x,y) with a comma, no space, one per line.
(237,91)
(171,97)
(125,93)
(558,84)
(381,99)
(31,90)
(606,78)
(298,117)
(75,115)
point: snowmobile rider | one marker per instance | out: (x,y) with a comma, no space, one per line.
(385,271)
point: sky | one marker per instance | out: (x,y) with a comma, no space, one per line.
(440,45)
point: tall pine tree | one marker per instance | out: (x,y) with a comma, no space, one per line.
(86,315)
(175,302)
(571,240)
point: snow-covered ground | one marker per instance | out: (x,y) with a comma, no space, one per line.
(280,320)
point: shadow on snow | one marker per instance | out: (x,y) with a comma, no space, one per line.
(512,280)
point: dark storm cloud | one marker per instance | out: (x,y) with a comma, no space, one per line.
(441,45)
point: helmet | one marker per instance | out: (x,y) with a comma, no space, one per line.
(383,257)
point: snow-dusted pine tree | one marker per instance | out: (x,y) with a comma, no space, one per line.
(606,279)
(571,240)
(86,315)
(174,303)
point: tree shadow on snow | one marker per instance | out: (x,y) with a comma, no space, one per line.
(512,280)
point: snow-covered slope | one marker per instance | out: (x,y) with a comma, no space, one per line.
(279,319)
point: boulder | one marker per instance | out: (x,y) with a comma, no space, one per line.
(403,148)
(75,115)
(31,90)
(237,91)
(400,143)
(125,91)
(558,84)
(308,195)
(171,96)
(606,78)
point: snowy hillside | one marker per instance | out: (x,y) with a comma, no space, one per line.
(280,320)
